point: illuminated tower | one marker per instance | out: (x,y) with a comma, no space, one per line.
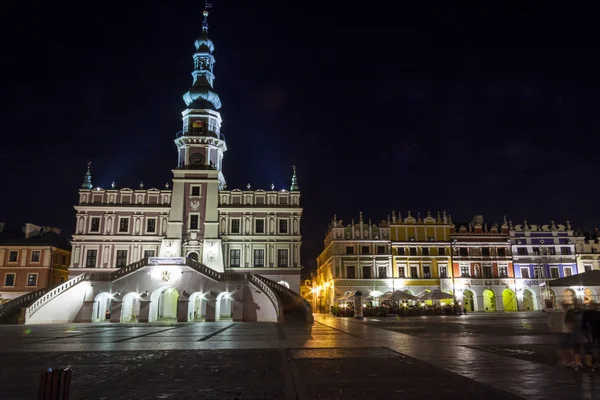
(193,221)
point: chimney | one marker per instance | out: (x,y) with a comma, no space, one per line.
(31,230)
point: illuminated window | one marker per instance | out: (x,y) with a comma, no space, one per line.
(32,280)
(197,128)
(503,271)
(35,256)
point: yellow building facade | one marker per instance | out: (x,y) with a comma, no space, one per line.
(421,252)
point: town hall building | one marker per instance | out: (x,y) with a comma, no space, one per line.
(192,250)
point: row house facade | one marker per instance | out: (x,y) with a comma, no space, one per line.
(34,258)
(485,266)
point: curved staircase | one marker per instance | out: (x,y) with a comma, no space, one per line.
(292,301)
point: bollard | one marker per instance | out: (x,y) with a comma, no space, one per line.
(358,309)
(55,384)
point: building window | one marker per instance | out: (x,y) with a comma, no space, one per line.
(443,271)
(9,279)
(568,271)
(485,251)
(13,256)
(551,251)
(195,190)
(234,258)
(587,267)
(402,272)
(194,221)
(259,258)
(413,251)
(525,273)
(64,260)
(463,251)
(382,272)
(400,251)
(350,273)
(503,271)
(32,279)
(464,271)
(366,272)
(95,225)
(90,259)
(35,256)
(259,226)
(426,272)
(380,249)
(121,258)
(151,225)
(235,226)
(501,252)
(349,250)
(425,251)
(364,250)
(487,272)
(522,251)
(441,251)
(554,273)
(282,257)
(565,251)
(536,251)
(148,253)
(414,271)
(537,273)
(124,225)
(283,226)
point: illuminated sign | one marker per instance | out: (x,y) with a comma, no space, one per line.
(166,260)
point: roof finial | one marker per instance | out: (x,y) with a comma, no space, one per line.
(207,5)
(294,180)
(87,179)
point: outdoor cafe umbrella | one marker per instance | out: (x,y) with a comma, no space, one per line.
(437,295)
(400,295)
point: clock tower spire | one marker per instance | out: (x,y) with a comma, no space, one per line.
(200,143)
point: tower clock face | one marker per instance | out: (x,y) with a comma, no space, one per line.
(197,159)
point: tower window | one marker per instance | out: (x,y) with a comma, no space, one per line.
(194,221)
(95,225)
(195,190)
(235,226)
(283,226)
(260,226)
(197,128)
(124,225)
(151,225)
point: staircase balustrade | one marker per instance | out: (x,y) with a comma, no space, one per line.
(52,293)
(277,303)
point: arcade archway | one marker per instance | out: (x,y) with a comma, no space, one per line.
(163,304)
(101,309)
(223,307)
(489,301)
(130,307)
(469,300)
(529,303)
(196,307)
(509,300)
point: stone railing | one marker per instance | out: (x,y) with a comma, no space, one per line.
(129,268)
(204,270)
(282,290)
(270,294)
(52,293)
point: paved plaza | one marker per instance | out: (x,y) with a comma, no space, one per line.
(499,356)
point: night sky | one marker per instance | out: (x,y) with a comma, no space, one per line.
(380,105)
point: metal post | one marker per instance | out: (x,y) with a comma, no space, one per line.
(358,310)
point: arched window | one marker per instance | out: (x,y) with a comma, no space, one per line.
(193,255)
(197,128)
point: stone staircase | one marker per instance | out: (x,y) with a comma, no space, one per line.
(11,312)
(292,301)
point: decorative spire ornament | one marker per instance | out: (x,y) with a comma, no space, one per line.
(394,216)
(439,219)
(272,186)
(112,185)
(360,217)
(248,186)
(553,225)
(419,217)
(87,179)
(167,185)
(141,185)
(568,225)
(294,180)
